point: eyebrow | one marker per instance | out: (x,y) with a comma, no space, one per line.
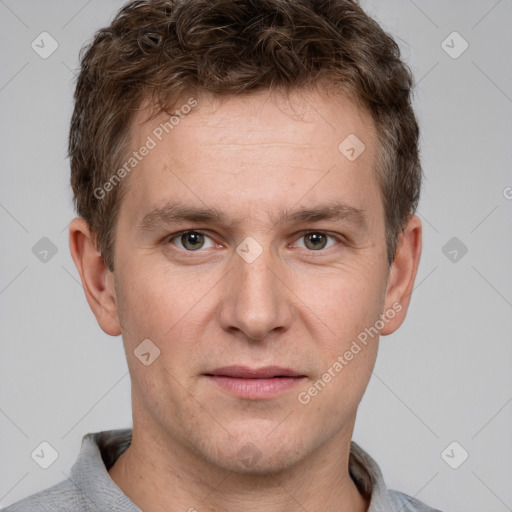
(172,213)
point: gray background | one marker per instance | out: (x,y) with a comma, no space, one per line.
(444,376)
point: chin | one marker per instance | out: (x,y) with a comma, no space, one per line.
(259,453)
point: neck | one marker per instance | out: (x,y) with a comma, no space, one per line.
(173,478)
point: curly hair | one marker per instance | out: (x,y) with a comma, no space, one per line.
(160,50)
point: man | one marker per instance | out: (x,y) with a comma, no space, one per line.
(246,175)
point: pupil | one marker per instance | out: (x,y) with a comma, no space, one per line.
(317,239)
(189,239)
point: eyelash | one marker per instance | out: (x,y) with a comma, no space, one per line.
(338,238)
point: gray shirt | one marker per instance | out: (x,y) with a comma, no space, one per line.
(90,488)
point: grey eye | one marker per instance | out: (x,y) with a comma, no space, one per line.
(190,240)
(315,241)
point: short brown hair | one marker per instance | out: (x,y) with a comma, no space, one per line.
(163,49)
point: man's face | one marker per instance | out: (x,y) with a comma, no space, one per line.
(296,293)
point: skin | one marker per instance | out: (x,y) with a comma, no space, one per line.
(293,306)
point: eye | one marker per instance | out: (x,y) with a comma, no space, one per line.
(191,240)
(317,240)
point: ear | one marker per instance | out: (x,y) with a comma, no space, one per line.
(402,275)
(97,279)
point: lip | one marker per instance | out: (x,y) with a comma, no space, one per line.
(255,383)
(244,372)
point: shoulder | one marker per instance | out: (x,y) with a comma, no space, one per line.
(406,503)
(59,498)
(88,487)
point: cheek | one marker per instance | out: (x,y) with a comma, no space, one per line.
(348,305)
(167,308)
(345,299)
(348,350)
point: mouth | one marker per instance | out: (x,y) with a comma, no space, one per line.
(255,383)
(243,372)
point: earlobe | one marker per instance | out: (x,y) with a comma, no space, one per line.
(402,275)
(97,280)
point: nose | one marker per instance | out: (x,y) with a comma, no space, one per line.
(256,299)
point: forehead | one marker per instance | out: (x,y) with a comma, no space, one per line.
(256,147)
(299,117)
